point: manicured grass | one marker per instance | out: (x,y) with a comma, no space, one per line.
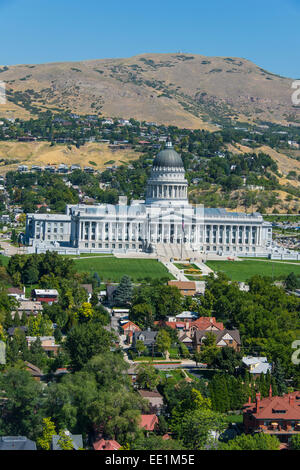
(4,260)
(113,269)
(234,418)
(176,374)
(243,270)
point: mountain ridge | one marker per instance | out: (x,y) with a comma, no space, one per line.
(185,90)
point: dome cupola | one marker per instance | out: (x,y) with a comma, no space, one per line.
(168,158)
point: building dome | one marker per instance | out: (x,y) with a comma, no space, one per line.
(168,158)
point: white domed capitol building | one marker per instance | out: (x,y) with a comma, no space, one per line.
(164,223)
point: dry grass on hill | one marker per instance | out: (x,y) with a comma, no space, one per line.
(42,153)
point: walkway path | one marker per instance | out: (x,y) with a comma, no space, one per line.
(174,270)
(10,250)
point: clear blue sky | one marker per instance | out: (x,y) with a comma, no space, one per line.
(264,31)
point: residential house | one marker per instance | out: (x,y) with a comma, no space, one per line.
(223,338)
(89,290)
(186,339)
(12,329)
(186,316)
(154,399)
(16,292)
(175,325)
(185,287)
(149,422)
(45,295)
(132,373)
(205,323)
(34,371)
(76,439)
(29,307)
(106,445)
(16,443)
(277,416)
(257,365)
(148,337)
(47,342)
(128,329)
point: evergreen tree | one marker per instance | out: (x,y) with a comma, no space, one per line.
(17,321)
(94,299)
(219,393)
(24,319)
(279,376)
(291,282)
(123,293)
(8,322)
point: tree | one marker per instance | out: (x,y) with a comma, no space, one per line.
(21,411)
(123,293)
(142,315)
(109,370)
(228,359)
(65,441)
(198,427)
(86,311)
(291,282)
(94,299)
(279,376)
(153,442)
(44,441)
(258,441)
(147,377)
(118,414)
(163,342)
(209,351)
(140,347)
(295,442)
(85,341)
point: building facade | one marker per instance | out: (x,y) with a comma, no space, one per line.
(164,218)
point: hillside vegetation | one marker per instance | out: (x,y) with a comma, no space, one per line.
(43,153)
(185,90)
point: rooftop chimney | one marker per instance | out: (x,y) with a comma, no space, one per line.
(270,392)
(257,402)
(291,400)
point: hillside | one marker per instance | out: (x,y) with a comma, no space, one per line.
(185,90)
(42,153)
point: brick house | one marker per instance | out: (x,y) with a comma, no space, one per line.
(278,416)
(128,329)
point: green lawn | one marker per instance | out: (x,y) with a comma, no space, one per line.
(243,270)
(4,260)
(112,269)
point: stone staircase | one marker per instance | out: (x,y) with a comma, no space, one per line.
(174,250)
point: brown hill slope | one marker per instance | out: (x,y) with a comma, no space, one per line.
(42,153)
(180,89)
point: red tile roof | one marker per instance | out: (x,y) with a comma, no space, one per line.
(203,323)
(130,326)
(106,445)
(148,422)
(289,402)
(171,324)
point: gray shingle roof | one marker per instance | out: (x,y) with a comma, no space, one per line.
(76,438)
(16,443)
(219,334)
